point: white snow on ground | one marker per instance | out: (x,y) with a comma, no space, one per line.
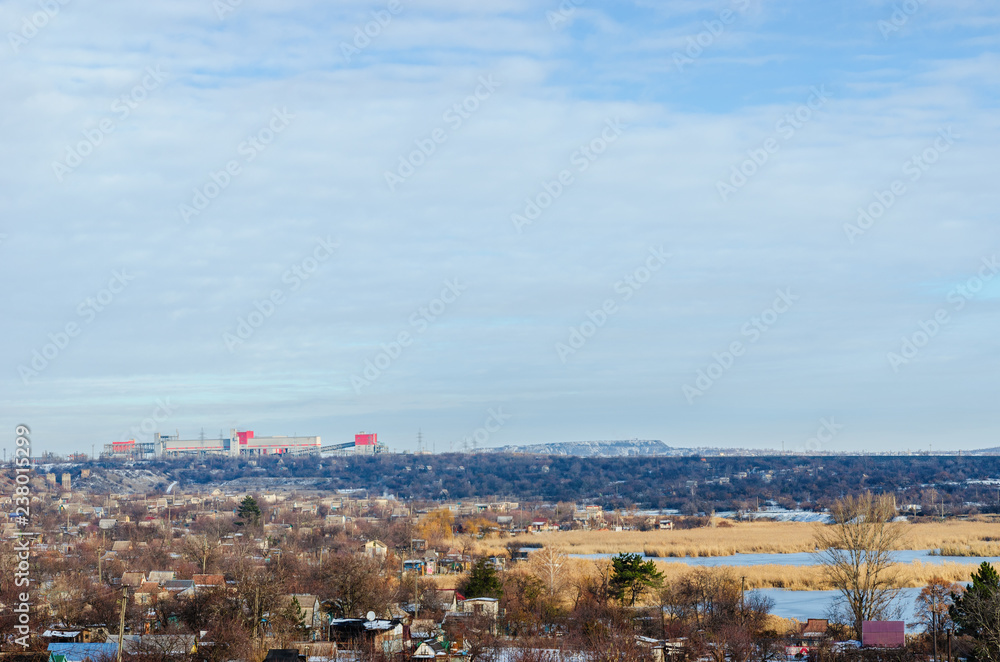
(780,515)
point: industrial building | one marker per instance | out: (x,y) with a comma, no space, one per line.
(129,450)
(238,443)
(247,443)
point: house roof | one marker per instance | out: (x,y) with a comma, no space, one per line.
(178,584)
(133,578)
(305,599)
(177,644)
(283,655)
(160,576)
(883,633)
(815,627)
(448,594)
(430,649)
(80,652)
(209,580)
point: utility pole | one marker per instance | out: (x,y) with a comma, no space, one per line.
(121,623)
(416,590)
(743,590)
(934,629)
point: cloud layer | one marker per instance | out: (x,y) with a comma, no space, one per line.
(240,210)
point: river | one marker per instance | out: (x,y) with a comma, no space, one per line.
(802,605)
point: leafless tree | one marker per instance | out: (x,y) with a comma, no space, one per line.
(708,606)
(202,549)
(933,603)
(355,584)
(857,554)
(550,566)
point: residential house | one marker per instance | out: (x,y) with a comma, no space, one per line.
(148,593)
(431,649)
(179,588)
(208,582)
(883,634)
(133,579)
(360,634)
(448,598)
(540,524)
(489,607)
(160,576)
(376,549)
(312,614)
(67,636)
(284,655)
(159,646)
(66,652)
(812,633)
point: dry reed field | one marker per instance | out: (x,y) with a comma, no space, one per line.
(975,537)
(811,578)
(741,537)
(795,578)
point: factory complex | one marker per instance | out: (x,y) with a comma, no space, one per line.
(239,443)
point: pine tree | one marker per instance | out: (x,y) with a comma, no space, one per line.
(483,582)
(631,577)
(249,511)
(977,612)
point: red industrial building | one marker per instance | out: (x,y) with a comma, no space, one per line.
(246,442)
(238,443)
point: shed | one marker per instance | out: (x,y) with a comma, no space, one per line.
(883,634)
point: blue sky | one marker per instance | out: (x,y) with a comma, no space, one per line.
(221,215)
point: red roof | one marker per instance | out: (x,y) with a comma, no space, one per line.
(883,634)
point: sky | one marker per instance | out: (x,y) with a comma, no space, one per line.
(735,223)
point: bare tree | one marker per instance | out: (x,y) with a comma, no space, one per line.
(933,603)
(202,549)
(550,566)
(354,584)
(857,554)
(708,606)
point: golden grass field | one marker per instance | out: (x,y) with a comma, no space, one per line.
(965,536)
(810,577)
(960,538)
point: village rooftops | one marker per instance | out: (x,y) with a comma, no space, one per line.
(209,580)
(815,628)
(81,652)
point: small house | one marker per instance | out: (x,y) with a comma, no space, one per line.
(883,634)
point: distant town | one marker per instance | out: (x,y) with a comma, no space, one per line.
(247,547)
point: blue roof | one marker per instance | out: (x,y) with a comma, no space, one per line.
(81,652)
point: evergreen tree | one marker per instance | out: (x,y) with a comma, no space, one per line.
(977,612)
(631,577)
(249,511)
(483,581)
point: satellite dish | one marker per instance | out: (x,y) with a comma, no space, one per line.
(370,616)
